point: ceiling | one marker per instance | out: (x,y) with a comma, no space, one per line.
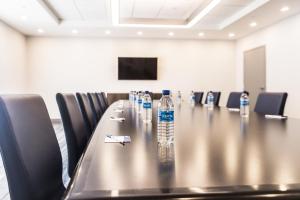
(186,19)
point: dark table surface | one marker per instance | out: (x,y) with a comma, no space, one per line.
(216,155)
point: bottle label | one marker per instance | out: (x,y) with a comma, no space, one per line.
(166,116)
(140,101)
(147,105)
(244,103)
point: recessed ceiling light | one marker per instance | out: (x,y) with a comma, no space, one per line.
(253,24)
(231,35)
(171,34)
(201,34)
(24,18)
(40,30)
(284,9)
(74,31)
(139,33)
(107,32)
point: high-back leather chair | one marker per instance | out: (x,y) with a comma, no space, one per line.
(217,96)
(198,97)
(95,105)
(101,102)
(87,112)
(29,148)
(76,132)
(271,103)
(105,99)
(234,100)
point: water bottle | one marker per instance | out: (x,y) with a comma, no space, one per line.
(244,104)
(139,102)
(192,98)
(147,108)
(178,98)
(131,97)
(210,100)
(165,124)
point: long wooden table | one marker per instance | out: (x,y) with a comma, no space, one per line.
(216,155)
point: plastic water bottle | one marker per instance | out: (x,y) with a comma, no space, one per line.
(178,98)
(139,102)
(210,100)
(165,132)
(192,98)
(244,104)
(131,98)
(147,108)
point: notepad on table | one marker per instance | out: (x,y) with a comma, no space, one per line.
(120,119)
(117,139)
(234,109)
(275,117)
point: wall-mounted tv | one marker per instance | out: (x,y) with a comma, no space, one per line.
(130,68)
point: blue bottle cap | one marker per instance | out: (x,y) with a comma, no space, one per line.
(166,92)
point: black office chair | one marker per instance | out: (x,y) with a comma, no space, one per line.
(29,149)
(234,100)
(105,99)
(217,96)
(198,97)
(87,112)
(101,102)
(95,105)
(270,103)
(76,132)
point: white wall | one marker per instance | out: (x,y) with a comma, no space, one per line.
(282,43)
(81,64)
(13,77)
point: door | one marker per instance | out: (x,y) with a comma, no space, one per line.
(255,73)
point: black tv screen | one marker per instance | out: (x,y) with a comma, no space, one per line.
(137,68)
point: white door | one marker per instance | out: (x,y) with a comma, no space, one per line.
(255,73)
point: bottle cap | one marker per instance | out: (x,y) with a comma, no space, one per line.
(246,92)
(166,92)
(146,92)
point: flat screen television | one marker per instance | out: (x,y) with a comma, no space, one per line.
(130,68)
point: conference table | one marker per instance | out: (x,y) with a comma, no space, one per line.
(216,155)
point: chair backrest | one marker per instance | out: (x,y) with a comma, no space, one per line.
(105,99)
(157,96)
(234,100)
(29,148)
(112,97)
(198,97)
(76,132)
(217,96)
(95,105)
(101,102)
(87,111)
(271,103)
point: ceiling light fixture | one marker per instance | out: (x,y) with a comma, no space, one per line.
(171,34)
(231,35)
(107,32)
(253,24)
(284,9)
(201,34)
(115,12)
(40,31)
(74,31)
(139,33)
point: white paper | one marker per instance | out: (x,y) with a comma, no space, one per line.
(275,117)
(117,139)
(120,119)
(234,109)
